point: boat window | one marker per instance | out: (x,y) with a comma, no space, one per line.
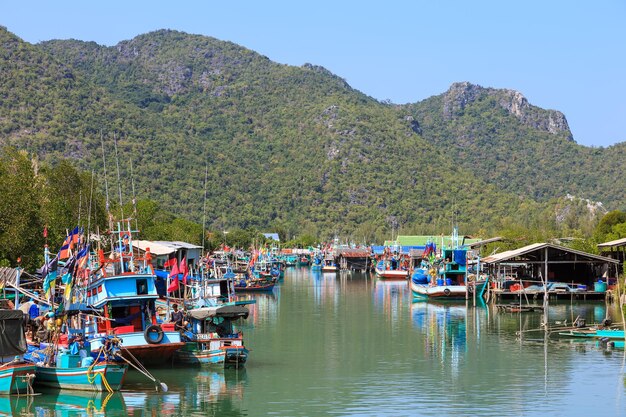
(142,286)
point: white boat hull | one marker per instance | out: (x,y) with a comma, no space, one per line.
(392,274)
(450,292)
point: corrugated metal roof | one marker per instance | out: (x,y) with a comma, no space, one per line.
(500,257)
(178,244)
(424,239)
(618,242)
(155,247)
(354,253)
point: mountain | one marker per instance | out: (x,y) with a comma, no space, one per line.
(291,148)
(518,147)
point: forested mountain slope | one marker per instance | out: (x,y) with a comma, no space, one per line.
(289,147)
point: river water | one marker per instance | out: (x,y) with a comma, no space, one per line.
(326,344)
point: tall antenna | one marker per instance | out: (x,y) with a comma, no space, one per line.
(132,182)
(90,202)
(119,184)
(106,183)
(206,176)
(80,203)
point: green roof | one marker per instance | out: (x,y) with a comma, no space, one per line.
(422,240)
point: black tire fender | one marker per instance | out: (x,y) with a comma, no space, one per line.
(151,331)
(446,291)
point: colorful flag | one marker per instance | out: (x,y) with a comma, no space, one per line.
(52,265)
(45,231)
(69,243)
(173,285)
(171,261)
(49,284)
(82,257)
(175,271)
(184,269)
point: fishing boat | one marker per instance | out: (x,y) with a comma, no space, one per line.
(304,260)
(66,363)
(16,375)
(444,278)
(123,286)
(254,285)
(317,260)
(70,374)
(290,260)
(212,339)
(390,269)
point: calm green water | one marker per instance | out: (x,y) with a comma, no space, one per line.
(352,345)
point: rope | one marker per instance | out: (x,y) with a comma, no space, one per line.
(92,379)
(139,367)
(15,360)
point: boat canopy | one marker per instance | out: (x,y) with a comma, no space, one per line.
(231,312)
(12,337)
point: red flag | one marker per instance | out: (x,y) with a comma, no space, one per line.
(171,261)
(184,269)
(174,272)
(173,285)
(45,231)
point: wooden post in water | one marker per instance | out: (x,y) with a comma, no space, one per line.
(545,290)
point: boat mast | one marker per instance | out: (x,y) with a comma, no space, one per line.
(119,184)
(206,177)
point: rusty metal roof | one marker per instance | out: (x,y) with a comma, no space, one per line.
(618,242)
(512,254)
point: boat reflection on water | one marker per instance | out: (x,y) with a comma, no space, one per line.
(204,391)
(325,290)
(264,310)
(62,403)
(391,296)
(444,326)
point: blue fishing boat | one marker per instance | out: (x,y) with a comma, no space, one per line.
(16,375)
(445,277)
(123,286)
(70,365)
(213,339)
(103,376)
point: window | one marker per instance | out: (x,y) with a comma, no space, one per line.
(142,286)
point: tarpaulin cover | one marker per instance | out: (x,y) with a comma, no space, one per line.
(459,256)
(223,311)
(12,337)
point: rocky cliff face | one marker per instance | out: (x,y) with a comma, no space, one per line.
(461,94)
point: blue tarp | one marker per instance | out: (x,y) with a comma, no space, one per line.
(378,250)
(459,256)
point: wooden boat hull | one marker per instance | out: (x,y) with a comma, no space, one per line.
(255,288)
(443,292)
(14,379)
(392,274)
(83,378)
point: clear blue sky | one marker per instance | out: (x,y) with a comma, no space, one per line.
(563,55)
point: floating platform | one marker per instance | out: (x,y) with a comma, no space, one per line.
(552,295)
